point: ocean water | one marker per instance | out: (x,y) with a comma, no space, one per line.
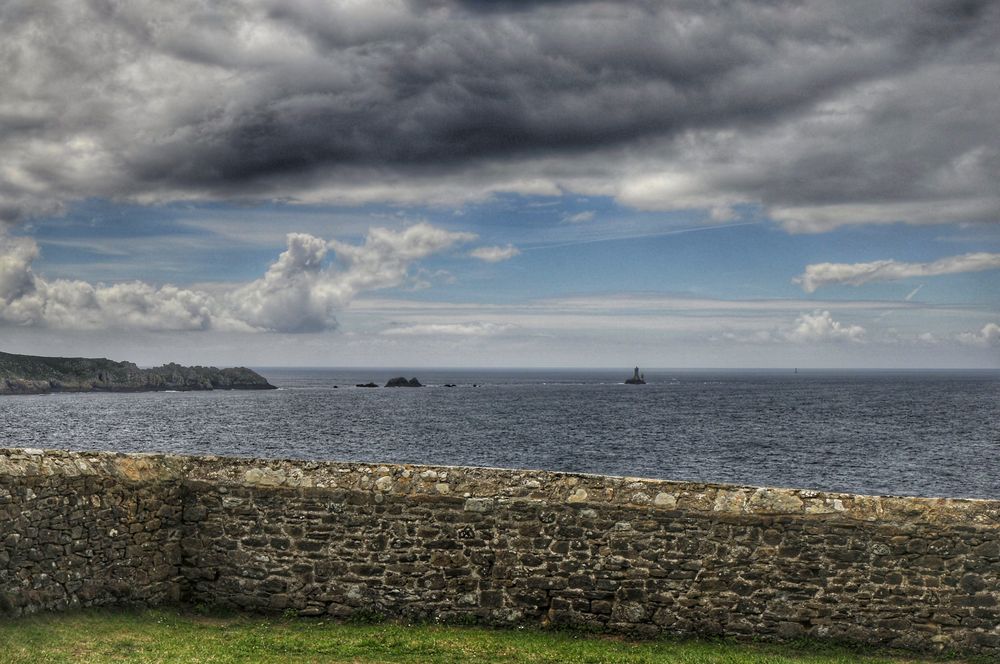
(875,432)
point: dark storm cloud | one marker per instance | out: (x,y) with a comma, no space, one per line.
(794,105)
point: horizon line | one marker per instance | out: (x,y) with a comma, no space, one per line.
(614,368)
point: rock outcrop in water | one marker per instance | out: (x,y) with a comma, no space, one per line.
(29,374)
(402,382)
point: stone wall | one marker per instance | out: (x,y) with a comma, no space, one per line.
(513,547)
(86,530)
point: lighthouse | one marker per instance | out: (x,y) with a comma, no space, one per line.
(637,378)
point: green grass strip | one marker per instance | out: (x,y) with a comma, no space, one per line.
(160,636)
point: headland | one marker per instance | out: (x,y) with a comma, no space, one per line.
(30,374)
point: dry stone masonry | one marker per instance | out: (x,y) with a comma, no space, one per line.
(87,530)
(641,557)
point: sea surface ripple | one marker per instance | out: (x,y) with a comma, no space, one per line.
(901,433)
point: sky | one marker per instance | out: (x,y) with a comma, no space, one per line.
(554,183)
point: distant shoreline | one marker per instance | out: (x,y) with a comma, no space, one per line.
(33,374)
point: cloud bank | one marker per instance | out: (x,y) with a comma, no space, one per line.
(855,274)
(831,114)
(467,329)
(820,326)
(987,337)
(300,292)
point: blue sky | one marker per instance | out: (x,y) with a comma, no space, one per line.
(613,250)
(525,184)
(667,288)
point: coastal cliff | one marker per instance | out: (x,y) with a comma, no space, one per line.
(28,374)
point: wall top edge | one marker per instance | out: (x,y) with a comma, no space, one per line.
(482,488)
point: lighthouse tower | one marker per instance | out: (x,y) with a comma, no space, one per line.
(637,378)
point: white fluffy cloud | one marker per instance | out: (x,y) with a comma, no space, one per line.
(987,337)
(16,279)
(300,292)
(297,293)
(820,326)
(383,260)
(495,254)
(856,274)
(808,328)
(30,300)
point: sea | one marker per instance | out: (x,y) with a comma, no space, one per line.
(918,433)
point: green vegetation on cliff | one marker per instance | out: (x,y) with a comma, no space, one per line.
(166,636)
(29,374)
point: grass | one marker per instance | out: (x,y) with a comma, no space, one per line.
(171,636)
